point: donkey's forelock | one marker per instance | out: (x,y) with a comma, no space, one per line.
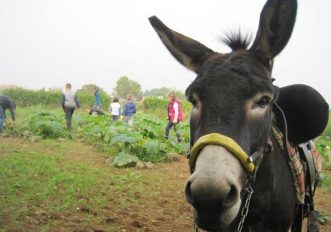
(237,40)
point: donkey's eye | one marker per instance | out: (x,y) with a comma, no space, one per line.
(192,100)
(263,102)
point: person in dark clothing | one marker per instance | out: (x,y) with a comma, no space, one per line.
(6,103)
(94,111)
(69,102)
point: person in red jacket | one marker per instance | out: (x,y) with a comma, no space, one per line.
(174,115)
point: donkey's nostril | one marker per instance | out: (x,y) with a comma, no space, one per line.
(232,197)
(188,193)
(208,193)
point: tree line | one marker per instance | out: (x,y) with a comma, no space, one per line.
(124,86)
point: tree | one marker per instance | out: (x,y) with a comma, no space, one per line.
(125,86)
(90,88)
(164,92)
(86,94)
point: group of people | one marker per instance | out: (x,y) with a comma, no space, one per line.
(70,103)
(128,111)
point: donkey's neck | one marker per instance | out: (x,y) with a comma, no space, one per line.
(273,188)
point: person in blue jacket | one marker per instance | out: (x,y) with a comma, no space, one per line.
(129,110)
(6,103)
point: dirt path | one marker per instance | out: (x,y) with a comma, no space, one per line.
(176,215)
(169,212)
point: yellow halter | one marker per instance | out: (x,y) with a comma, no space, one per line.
(227,143)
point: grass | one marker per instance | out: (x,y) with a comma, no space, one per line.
(325,180)
(43,183)
(327,131)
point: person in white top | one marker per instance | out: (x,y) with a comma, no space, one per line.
(115,109)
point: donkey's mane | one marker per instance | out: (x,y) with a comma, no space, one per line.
(237,40)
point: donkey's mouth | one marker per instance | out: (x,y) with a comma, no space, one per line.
(210,222)
(209,225)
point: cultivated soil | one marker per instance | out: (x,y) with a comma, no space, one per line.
(166,212)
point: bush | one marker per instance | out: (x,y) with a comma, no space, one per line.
(124,160)
(323,145)
(46,125)
(26,97)
(327,131)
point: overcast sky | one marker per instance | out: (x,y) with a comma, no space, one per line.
(46,43)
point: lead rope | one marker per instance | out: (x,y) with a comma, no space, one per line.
(244,211)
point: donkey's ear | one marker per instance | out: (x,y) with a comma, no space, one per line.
(187,51)
(275,28)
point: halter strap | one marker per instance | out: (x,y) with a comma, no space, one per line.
(227,143)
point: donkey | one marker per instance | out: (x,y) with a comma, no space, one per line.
(232,98)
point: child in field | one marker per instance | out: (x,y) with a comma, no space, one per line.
(115,109)
(129,110)
(69,103)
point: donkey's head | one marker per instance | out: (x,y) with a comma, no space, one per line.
(232,98)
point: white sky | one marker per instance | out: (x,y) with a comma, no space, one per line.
(46,43)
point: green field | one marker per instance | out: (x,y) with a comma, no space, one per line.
(52,180)
(69,186)
(144,140)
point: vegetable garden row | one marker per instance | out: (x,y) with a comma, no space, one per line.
(144,141)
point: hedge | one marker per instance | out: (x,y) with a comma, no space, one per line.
(25,97)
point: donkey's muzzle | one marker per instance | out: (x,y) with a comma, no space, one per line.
(214,187)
